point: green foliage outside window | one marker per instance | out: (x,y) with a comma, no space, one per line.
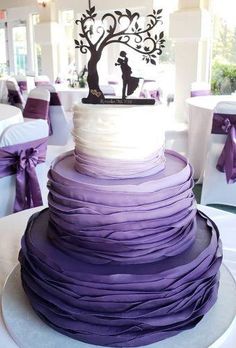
(223,79)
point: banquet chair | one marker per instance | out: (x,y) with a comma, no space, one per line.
(59,133)
(37,104)
(15,97)
(22,83)
(219,179)
(41,80)
(26,83)
(23,171)
(200,88)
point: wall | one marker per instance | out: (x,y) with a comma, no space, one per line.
(4,4)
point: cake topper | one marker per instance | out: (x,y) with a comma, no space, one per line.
(123,28)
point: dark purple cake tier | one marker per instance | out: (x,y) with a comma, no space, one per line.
(126,221)
(119,305)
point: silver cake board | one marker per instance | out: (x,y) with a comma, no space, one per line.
(28,330)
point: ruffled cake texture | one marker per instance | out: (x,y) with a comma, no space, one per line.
(123,142)
(120,259)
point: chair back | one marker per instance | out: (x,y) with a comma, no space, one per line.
(220,168)
(41,80)
(23,173)
(22,83)
(59,128)
(26,83)
(224,122)
(14,94)
(37,105)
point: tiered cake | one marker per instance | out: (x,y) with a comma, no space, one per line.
(121,257)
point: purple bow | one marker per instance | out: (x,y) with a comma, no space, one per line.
(224,124)
(22,160)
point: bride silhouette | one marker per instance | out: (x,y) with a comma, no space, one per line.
(130,83)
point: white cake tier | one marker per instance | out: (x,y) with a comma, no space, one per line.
(124,132)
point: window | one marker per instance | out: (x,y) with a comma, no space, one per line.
(37,47)
(20,47)
(224,47)
(68,52)
(3,55)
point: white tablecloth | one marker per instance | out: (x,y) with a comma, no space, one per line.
(13,226)
(9,115)
(200,114)
(70,96)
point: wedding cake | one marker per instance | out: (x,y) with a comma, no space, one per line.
(121,258)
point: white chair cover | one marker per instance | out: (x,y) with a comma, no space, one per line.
(18,134)
(40,93)
(15,97)
(59,124)
(26,83)
(215,189)
(41,80)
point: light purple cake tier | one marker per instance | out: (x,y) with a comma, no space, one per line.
(119,305)
(125,221)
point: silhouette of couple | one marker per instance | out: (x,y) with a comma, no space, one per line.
(130,83)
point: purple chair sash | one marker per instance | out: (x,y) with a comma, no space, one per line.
(36,108)
(22,85)
(14,97)
(199,93)
(21,159)
(226,124)
(54,99)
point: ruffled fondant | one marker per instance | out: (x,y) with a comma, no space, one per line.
(116,169)
(120,305)
(126,132)
(126,221)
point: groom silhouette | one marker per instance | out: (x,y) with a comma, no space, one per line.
(130,83)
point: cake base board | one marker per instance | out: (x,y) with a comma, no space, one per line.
(28,330)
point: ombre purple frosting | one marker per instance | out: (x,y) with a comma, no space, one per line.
(121,262)
(127,220)
(119,305)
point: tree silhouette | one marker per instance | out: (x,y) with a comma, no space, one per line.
(130,34)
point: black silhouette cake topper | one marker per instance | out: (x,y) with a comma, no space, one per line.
(130,83)
(123,28)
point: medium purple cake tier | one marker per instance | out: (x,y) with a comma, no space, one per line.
(127,221)
(119,305)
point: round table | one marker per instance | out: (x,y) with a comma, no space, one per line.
(9,115)
(200,114)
